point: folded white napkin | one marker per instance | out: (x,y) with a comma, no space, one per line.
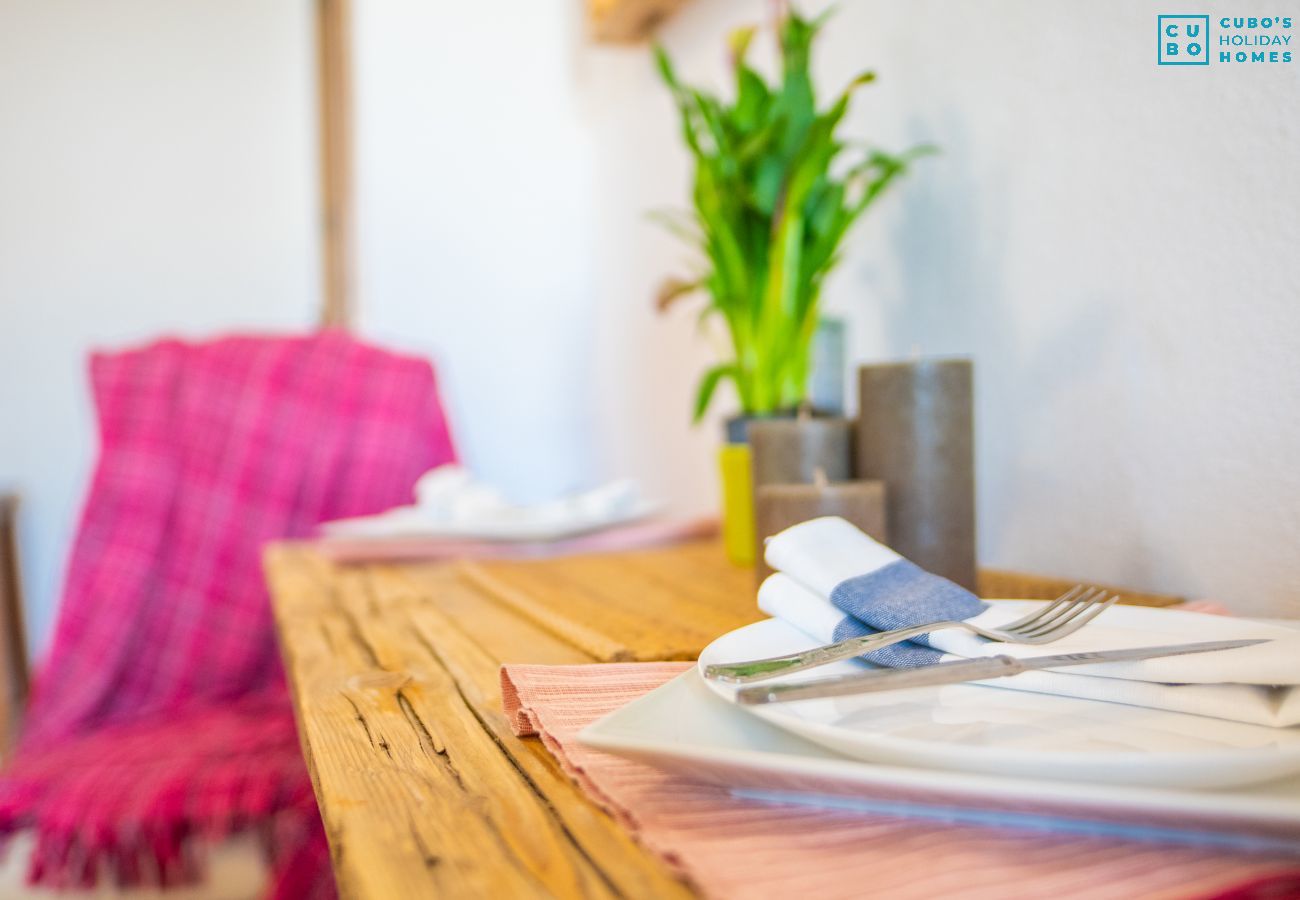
(1252,684)
(449,493)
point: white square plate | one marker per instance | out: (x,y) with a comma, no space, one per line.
(686,728)
(997,729)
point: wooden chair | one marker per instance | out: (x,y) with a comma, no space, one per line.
(13,642)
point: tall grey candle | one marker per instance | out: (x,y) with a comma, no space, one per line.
(915,432)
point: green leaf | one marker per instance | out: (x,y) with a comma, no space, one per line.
(666,71)
(768,178)
(738,41)
(862,78)
(709,384)
(752,99)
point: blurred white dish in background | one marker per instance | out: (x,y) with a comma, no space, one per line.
(451,504)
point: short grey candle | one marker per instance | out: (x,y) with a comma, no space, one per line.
(915,433)
(779,506)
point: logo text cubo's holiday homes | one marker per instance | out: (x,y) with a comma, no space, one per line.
(1198,40)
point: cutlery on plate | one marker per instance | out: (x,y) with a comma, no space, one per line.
(961,670)
(1063,616)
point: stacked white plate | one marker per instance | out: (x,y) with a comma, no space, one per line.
(971,752)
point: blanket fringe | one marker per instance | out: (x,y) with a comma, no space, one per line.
(133,807)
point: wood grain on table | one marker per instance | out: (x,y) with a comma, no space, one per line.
(423,788)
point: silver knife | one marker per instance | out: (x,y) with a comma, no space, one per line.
(959,671)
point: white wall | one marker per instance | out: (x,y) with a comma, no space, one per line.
(474,223)
(156,174)
(504,168)
(1114,242)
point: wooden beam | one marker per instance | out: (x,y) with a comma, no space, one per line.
(628,21)
(334,94)
(13,641)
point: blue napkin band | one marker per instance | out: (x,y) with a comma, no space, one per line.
(900,595)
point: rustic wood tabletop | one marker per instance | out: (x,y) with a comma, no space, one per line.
(423,788)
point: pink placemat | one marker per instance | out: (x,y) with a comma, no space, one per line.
(728,847)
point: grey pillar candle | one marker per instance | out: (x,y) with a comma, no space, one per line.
(778,506)
(916,433)
(789,451)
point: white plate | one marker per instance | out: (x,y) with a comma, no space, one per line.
(507,526)
(684,727)
(977,728)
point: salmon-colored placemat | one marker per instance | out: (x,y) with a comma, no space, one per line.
(729,847)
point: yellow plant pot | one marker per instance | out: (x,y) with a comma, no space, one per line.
(737,503)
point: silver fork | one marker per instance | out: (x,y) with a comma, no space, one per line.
(1063,616)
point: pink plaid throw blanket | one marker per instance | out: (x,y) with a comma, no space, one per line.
(160,715)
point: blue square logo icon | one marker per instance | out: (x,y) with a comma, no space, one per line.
(1183,40)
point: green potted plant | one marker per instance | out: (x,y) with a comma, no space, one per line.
(776,189)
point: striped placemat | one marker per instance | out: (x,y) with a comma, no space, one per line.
(728,847)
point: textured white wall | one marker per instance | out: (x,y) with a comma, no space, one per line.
(1112,241)
(156,174)
(1115,244)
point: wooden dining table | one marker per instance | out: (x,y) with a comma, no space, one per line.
(422,785)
